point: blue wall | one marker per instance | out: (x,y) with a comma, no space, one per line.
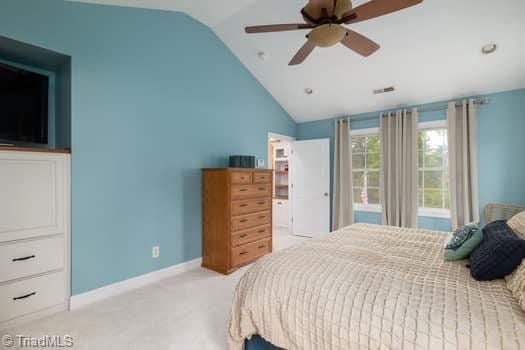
(155,97)
(501,130)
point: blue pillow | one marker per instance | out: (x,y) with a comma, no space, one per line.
(498,255)
(462,242)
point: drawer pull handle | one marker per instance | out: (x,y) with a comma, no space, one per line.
(25,296)
(24,258)
(261,203)
(243,190)
(243,253)
(261,231)
(243,205)
(262,189)
(262,217)
(243,236)
(262,246)
(244,220)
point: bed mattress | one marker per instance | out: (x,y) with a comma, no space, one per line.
(373,287)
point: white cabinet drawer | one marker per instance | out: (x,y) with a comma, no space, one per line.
(23,259)
(27,296)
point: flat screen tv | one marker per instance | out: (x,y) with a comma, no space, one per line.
(23,106)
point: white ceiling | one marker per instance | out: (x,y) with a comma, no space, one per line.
(430,52)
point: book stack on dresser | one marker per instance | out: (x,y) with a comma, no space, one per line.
(237,217)
(34,234)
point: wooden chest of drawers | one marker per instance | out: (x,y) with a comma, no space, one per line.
(237,217)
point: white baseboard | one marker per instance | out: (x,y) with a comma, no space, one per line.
(80,300)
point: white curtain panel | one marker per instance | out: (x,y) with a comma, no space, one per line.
(399,168)
(342,212)
(464,200)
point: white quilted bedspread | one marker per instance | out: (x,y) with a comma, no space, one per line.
(373,287)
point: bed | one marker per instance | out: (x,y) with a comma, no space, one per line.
(372,287)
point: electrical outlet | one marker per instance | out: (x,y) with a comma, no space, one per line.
(260,163)
(155,252)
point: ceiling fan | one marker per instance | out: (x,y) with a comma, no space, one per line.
(325,19)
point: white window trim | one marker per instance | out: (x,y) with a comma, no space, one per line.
(370,208)
(365,132)
(436,124)
(434,213)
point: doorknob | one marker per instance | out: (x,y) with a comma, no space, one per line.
(326,194)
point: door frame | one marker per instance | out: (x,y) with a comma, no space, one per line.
(273,136)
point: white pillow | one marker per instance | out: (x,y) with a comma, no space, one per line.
(516,284)
(517,224)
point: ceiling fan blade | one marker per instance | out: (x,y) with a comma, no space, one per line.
(277,28)
(376,8)
(359,43)
(303,52)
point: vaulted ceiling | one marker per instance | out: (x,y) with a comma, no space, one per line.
(430,52)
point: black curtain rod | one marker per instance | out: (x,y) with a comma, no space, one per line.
(481,102)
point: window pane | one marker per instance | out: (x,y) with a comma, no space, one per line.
(373,196)
(433,198)
(435,140)
(358,195)
(446,194)
(420,203)
(373,160)
(433,160)
(358,144)
(421,179)
(433,179)
(373,179)
(358,178)
(373,144)
(421,141)
(358,161)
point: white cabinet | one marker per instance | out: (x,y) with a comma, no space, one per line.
(34,234)
(281,214)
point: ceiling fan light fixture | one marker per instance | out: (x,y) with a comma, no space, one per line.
(327,35)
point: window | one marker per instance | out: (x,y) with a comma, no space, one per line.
(366,164)
(433,194)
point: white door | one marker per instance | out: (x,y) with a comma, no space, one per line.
(310,187)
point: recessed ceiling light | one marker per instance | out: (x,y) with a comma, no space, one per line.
(489,48)
(308,91)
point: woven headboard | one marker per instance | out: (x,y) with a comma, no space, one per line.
(495,212)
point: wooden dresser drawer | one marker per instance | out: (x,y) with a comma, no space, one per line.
(250,191)
(250,251)
(262,178)
(243,237)
(27,296)
(28,258)
(251,220)
(250,206)
(241,177)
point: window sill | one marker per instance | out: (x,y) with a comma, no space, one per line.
(434,213)
(422,212)
(371,208)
